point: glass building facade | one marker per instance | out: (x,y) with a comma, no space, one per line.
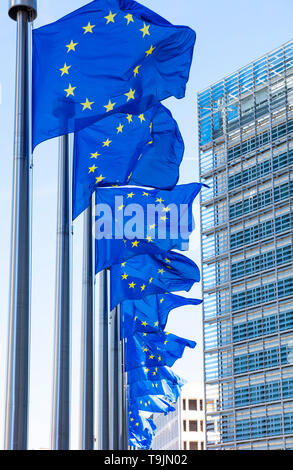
(246,158)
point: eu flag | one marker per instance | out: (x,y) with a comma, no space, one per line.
(133,221)
(124,149)
(141,429)
(153,374)
(164,388)
(150,274)
(154,349)
(153,310)
(109,56)
(152,404)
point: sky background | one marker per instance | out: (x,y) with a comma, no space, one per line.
(229,35)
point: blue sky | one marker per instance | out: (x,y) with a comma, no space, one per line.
(229,35)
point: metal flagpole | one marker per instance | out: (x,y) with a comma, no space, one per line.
(16,422)
(87,364)
(124,442)
(103,368)
(61,386)
(115,380)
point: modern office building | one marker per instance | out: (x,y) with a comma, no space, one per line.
(184,428)
(246,158)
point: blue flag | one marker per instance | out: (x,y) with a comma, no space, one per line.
(154,349)
(133,221)
(152,310)
(109,56)
(164,388)
(152,374)
(141,429)
(125,149)
(150,274)
(152,404)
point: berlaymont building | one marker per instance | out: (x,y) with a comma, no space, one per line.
(246,158)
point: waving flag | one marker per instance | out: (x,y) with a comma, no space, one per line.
(141,429)
(154,349)
(145,274)
(152,310)
(164,388)
(151,403)
(110,56)
(126,149)
(135,221)
(153,374)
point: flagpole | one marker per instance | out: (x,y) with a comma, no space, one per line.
(124,425)
(61,385)
(103,367)
(115,380)
(17,394)
(87,363)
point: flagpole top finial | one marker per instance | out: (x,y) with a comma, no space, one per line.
(28,5)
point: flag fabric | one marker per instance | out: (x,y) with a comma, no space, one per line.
(126,149)
(108,56)
(141,429)
(152,404)
(154,349)
(152,374)
(153,310)
(150,274)
(133,221)
(164,388)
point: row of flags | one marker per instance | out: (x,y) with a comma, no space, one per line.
(101,73)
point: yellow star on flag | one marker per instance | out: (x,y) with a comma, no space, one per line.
(88,28)
(160,200)
(162,300)
(65,69)
(110,106)
(141,118)
(110,17)
(70,90)
(99,179)
(119,128)
(107,143)
(150,51)
(145,30)
(145,194)
(123,264)
(130,94)
(164,217)
(150,280)
(87,104)
(166,209)
(161,271)
(124,276)
(121,207)
(152,227)
(144,323)
(135,243)
(130,195)
(136,70)
(149,239)
(151,356)
(95,155)
(129,118)
(71,46)
(132,285)
(143,287)
(167,260)
(156,323)
(93,168)
(129,18)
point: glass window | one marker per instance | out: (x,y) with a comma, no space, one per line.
(192,404)
(193,445)
(184,425)
(193,426)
